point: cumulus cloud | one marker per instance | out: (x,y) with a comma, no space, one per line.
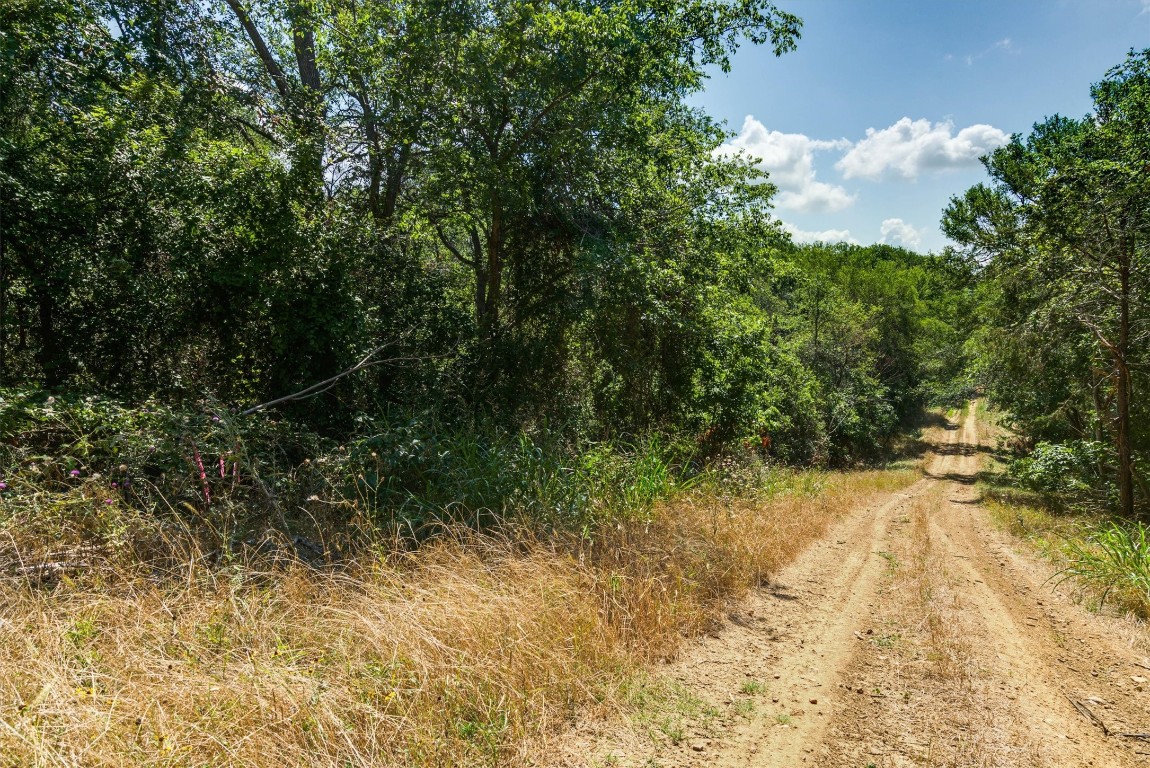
(898,232)
(826,236)
(789,159)
(910,147)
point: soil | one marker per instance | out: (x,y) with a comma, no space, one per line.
(915,634)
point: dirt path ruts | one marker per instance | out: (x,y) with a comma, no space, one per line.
(914,634)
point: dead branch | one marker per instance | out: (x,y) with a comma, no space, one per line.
(323,386)
(1085,712)
(50,570)
(326,384)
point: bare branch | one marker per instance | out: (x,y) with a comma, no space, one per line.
(326,384)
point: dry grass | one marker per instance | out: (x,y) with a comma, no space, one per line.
(943,668)
(937,608)
(466,652)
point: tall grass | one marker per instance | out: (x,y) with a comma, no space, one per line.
(470,650)
(1115,558)
(413,596)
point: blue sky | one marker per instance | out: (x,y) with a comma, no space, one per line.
(880,115)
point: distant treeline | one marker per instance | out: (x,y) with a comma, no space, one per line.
(507,205)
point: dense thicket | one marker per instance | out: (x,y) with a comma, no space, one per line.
(1062,233)
(506,203)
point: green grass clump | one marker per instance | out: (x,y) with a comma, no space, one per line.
(1116,558)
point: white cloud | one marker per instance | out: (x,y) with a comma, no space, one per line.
(898,232)
(1005,44)
(826,236)
(789,159)
(910,147)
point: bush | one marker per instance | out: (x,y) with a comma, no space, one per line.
(412,477)
(1071,469)
(85,471)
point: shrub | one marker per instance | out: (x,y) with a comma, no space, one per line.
(1073,468)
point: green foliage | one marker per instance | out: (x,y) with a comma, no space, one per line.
(1073,468)
(1062,235)
(93,471)
(85,468)
(417,476)
(579,301)
(1116,558)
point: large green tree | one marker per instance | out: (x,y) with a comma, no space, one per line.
(1066,221)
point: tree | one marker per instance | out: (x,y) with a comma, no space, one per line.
(551,110)
(1069,211)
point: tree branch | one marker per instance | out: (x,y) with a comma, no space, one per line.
(454,251)
(265,54)
(326,384)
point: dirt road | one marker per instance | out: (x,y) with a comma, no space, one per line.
(915,634)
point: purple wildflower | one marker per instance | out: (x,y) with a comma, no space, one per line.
(74,473)
(3,485)
(107,501)
(115,485)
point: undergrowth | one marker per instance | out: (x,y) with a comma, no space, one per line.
(1115,558)
(183,589)
(141,485)
(1107,557)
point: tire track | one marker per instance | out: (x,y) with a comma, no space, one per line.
(911,635)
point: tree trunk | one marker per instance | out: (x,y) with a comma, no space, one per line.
(374,161)
(396,170)
(480,276)
(53,361)
(490,320)
(304,103)
(311,110)
(1125,466)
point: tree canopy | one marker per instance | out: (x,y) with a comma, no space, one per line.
(510,204)
(1062,233)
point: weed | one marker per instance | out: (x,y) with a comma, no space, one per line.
(753,688)
(783,718)
(1116,558)
(672,728)
(891,559)
(82,632)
